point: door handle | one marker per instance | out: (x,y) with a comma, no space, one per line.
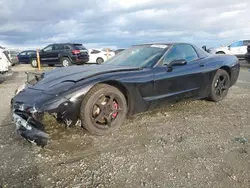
(202,65)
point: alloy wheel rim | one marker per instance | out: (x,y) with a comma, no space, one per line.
(221,86)
(65,63)
(106,109)
(34,63)
(99,61)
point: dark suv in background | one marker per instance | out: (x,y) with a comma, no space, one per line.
(64,54)
(247,55)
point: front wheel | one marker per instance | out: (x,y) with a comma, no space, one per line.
(220,86)
(103,109)
(34,63)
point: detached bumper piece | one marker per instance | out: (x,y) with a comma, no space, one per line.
(30,129)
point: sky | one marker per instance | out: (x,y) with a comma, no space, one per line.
(122,23)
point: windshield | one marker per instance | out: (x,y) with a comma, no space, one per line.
(139,56)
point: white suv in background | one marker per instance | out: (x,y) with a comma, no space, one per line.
(99,56)
(237,48)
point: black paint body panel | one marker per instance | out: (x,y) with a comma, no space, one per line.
(62,90)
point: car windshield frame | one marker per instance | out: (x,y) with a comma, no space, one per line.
(142,56)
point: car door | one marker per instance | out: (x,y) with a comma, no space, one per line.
(46,56)
(94,54)
(183,81)
(22,57)
(243,50)
(56,52)
(28,55)
(235,48)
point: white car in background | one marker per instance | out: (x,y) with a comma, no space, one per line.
(4,63)
(237,48)
(99,55)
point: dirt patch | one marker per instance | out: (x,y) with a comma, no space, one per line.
(189,144)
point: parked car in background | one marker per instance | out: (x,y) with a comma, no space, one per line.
(247,55)
(101,96)
(25,56)
(237,48)
(118,50)
(12,56)
(64,54)
(99,56)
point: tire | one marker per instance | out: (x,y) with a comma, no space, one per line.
(65,62)
(99,60)
(103,104)
(220,86)
(33,63)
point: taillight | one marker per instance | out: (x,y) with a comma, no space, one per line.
(76,52)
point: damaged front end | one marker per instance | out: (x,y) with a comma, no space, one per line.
(30,129)
(30,105)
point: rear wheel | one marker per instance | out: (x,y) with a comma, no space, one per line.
(65,62)
(99,60)
(103,109)
(220,86)
(33,63)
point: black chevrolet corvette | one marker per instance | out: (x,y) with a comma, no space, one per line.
(100,97)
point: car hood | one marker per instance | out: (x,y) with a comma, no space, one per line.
(75,73)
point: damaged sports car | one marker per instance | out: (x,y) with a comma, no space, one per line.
(100,97)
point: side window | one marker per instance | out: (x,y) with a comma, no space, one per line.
(58,47)
(95,52)
(236,44)
(48,48)
(66,47)
(246,42)
(28,53)
(22,53)
(181,51)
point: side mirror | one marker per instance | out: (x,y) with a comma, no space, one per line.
(178,62)
(204,48)
(229,47)
(41,50)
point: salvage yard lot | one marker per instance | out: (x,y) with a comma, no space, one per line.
(189,144)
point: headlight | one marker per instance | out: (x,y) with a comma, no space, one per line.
(20,88)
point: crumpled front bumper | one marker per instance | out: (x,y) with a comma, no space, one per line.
(30,129)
